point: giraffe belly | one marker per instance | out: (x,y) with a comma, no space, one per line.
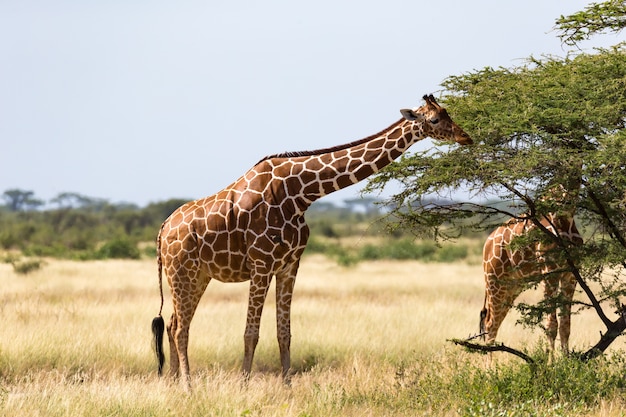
(227,266)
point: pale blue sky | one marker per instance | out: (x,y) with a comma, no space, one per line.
(141,101)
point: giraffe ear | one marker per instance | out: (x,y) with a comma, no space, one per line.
(412,115)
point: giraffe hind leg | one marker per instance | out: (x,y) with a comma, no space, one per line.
(284,294)
(171,330)
(179,332)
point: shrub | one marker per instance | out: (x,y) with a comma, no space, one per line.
(120,248)
(451,253)
(54,250)
(561,387)
(149,250)
(394,249)
(27,266)
(371,252)
(403,249)
(425,250)
(315,245)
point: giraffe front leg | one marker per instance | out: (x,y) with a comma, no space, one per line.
(284,294)
(250,340)
(499,300)
(259,286)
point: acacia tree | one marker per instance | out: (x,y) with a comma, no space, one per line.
(608,16)
(550,121)
(21,200)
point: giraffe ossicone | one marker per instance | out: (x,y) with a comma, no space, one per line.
(254,229)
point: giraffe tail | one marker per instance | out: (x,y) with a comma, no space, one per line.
(158,324)
(158,328)
(483,318)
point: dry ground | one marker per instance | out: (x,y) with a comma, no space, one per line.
(76,339)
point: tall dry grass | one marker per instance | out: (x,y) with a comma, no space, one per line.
(76,341)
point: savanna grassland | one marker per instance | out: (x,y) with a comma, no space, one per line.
(368,340)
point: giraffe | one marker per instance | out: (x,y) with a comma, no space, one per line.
(507,271)
(254,229)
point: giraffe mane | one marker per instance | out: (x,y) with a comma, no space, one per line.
(296,154)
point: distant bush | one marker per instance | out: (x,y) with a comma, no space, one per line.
(403,249)
(119,248)
(392,249)
(27,266)
(148,250)
(345,258)
(22,266)
(55,250)
(326,229)
(315,245)
(452,253)
(424,251)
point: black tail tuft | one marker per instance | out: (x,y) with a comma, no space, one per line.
(483,319)
(158,328)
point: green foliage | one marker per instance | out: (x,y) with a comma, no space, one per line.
(549,138)
(27,266)
(18,200)
(86,228)
(532,125)
(326,220)
(23,266)
(404,249)
(563,387)
(316,245)
(78,228)
(452,253)
(119,248)
(607,16)
(148,250)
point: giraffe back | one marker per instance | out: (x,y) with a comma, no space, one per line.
(250,223)
(502,258)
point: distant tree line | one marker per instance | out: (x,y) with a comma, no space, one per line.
(77,226)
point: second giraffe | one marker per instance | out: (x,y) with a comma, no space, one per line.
(508,269)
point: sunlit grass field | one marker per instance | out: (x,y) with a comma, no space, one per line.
(368,340)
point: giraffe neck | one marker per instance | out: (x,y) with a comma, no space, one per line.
(310,175)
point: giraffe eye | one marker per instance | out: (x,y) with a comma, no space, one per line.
(434,121)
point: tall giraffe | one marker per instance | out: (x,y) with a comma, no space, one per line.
(254,229)
(507,271)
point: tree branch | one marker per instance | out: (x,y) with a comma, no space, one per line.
(606,16)
(493,348)
(571,263)
(614,231)
(615,329)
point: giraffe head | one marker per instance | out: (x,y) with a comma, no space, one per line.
(436,123)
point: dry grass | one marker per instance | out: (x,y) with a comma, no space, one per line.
(76,340)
